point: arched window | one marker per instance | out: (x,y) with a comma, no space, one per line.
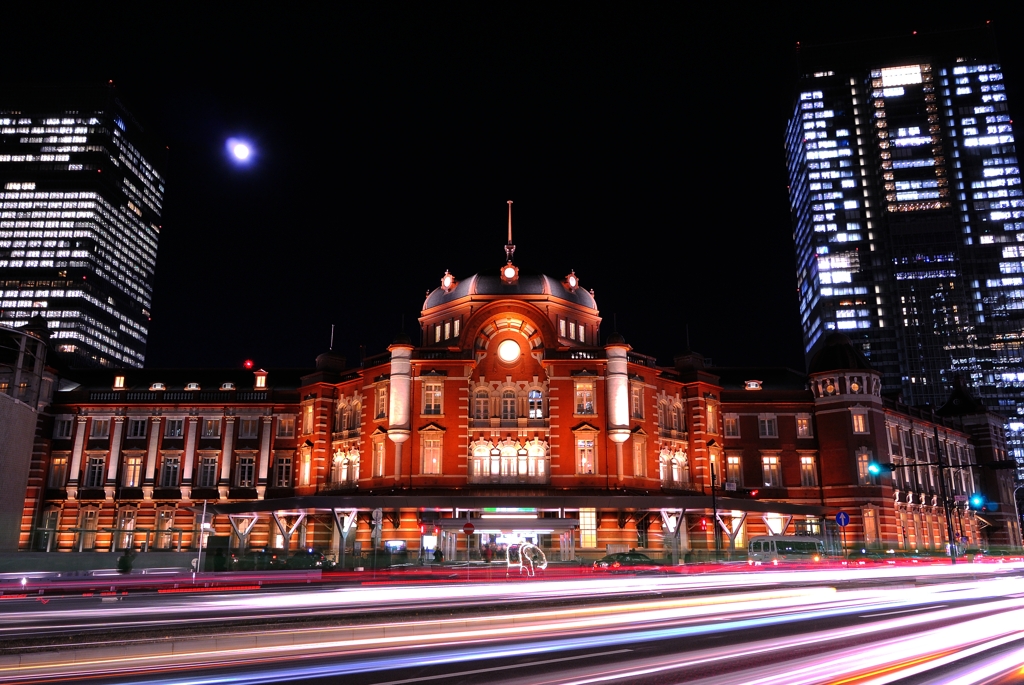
(356,411)
(482,405)
(536,404)
(677,472)
(343,418)
(662,419)
(663,464)
(675,417)
(508,405)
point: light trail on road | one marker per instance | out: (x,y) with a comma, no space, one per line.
(897,632)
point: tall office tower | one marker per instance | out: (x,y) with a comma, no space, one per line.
(80,203)
(908,214)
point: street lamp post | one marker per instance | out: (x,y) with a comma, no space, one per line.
(714,501)
(945,499)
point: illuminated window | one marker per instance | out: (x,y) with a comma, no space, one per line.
(58,471)
(164,524)
(94,472)
(584,397)
(588,528)
(864,476)
(307,419)
(767,426)
(712,411)
(132,475)
(536,404)
(732,425)
(118,382)
(286,427)
(431,444)
(432,397)
(382,402)
(261,380)
(732,469)
(772,471)
(585,453)
(803,426)
(808,472)
(860,420)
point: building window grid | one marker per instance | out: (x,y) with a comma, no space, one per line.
(432,396)
(169,471)
(248,428)
(286,427)
(636,401)
(772,471)
(132,476)
(137,428)
(174,428)
(100,428)
(585,455)
(639,457)
(245,471)
(712,415)
(584,398)
(207,472)
(508,405)
(62,429)
(588,528)
(804,427)
(282,472)
(58,471)
(732,425)
(432,455)
(808,472)
(767,426)
(211,428)
(95,472)
(733,470)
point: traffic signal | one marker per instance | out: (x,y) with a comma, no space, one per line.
(437,530)
(703,524)
(977,501)
(752,493)
(423,529)
(875,468)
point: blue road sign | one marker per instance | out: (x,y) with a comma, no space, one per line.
(843,519)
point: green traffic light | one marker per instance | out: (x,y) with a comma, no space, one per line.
(874,468)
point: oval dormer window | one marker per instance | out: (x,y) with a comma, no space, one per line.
(752,385)
(192,386)
(227,386)
(157,386)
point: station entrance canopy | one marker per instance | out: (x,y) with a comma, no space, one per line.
(466,503)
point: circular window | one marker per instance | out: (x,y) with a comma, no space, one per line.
(508,351)
(510,272)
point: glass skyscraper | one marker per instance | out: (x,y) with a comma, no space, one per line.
(908,215)
(81,197)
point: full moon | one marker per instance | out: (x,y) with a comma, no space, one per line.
(241,151)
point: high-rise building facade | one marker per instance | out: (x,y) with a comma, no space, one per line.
(81,196)
(908,215)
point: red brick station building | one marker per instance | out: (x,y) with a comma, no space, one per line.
(514,413)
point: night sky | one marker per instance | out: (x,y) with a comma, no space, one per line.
(642,145)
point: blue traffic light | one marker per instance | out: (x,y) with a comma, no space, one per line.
(874,468)
(977,501)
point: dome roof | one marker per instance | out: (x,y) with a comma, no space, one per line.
(528,284)
(838,353)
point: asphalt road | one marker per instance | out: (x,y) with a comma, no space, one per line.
(779,627)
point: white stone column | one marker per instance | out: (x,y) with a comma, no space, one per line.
(400,398)
(154,443)
(265,445)
(226,456)
(76,456)
(190,455)
(115,458)
(617,385)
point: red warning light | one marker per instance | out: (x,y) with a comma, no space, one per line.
(247,363)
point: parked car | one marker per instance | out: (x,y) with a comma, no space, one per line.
(626,562)
(263,560)
(309,559)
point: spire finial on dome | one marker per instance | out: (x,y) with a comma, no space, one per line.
(510,249)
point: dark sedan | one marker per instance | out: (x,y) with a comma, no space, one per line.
(626,561)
